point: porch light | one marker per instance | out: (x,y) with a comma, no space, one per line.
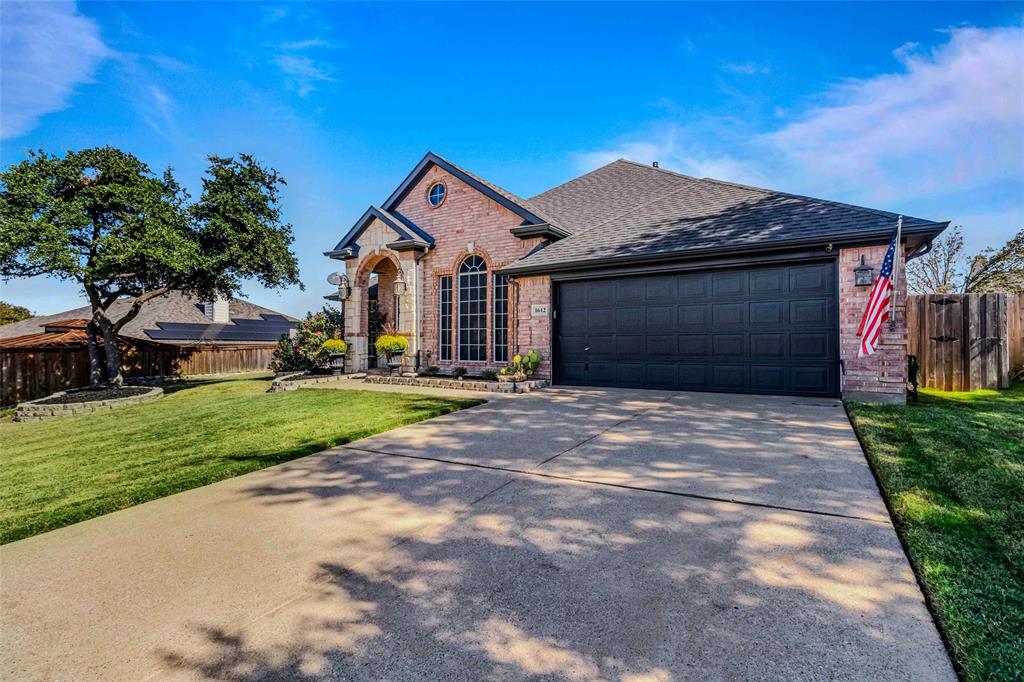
(864,275)
(399,284)
(340,280)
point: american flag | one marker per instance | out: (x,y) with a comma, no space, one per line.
(879,302)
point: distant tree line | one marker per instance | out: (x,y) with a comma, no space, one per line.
(948,269)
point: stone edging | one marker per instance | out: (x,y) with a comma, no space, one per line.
(33,411)
(280,383)
(464,385)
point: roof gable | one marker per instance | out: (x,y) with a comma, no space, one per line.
(521,207)
(402,226)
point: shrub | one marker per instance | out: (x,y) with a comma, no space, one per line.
(525,364)
(489,375)
(431,371)
(306,350)
(391,343)
(459,372)
(335,347)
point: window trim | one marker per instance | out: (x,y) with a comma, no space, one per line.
(444,339)
(444,195)
(499,351)
(482,316)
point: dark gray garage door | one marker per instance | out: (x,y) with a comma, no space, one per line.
(753,330)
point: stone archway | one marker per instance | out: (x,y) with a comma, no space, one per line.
(373,304)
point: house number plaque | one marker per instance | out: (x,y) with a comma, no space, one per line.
(539,310)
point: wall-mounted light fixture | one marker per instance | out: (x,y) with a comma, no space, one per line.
(400,286)
(864,275)
(340,280)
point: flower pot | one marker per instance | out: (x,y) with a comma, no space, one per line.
(337,361)
(395,363)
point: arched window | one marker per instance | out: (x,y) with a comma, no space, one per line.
(473,309)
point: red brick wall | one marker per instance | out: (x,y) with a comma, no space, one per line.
(885,372)
(532,332)
(465,217)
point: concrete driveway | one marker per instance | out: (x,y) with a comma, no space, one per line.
(567,534)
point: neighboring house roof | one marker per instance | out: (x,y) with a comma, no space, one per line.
(173,318)
(627,211)
(59,334)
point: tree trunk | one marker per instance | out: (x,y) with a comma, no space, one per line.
(95,366)
(114,376)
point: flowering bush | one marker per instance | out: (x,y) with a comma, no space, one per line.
(306,350)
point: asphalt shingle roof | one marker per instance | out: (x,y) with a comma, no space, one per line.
(174,307)
(628,210)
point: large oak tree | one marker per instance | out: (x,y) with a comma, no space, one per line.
(100,217)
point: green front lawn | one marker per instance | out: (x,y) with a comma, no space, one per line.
(58,472)
(952,468)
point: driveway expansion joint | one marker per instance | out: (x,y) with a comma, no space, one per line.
(623,486)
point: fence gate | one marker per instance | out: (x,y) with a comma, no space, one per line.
(964,342)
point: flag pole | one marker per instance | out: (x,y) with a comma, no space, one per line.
(895,274)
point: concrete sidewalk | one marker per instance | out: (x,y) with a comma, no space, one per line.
(563,534)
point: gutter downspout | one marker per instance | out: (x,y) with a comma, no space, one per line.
(417,307)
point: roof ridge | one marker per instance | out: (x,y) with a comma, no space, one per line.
(659,168)
(817,200)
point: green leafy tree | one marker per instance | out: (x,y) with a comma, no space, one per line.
(101,218)
(13,313)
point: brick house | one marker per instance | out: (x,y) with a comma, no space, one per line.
(629,275)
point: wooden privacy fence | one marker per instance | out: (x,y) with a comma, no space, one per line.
(964,342)
(30,373)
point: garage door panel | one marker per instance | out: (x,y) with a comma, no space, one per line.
(693,345)
(768,345)
(692,286)
(661,289)
(691,316)
(729,284)
(814,312)
(760,329)
(628,345)
(601,320)
(768,377)
(809,379)
(729,376)
(661,344)
(695,377)
(729,314)
(810,345)
(630,291)
(660,375)
(728,345)
(767,281)
(660,317)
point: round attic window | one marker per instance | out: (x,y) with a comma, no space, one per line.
(436,194)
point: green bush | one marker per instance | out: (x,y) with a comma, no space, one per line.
(335,347)
(391,343)
(526,363)
(459,372)
(431,371)
(489,375)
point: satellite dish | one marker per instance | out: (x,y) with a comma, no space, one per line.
(334,278)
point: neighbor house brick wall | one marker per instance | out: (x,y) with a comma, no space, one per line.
(466,219)
(884,374)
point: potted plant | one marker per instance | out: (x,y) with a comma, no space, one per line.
(336,349)
(521,367)
(391,345)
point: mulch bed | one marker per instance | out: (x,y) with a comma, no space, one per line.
(93,395)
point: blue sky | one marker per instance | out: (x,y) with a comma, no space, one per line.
(916,108)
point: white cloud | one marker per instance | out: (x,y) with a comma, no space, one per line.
(47,50)
(747,68)
(304,74)
(949,121)
(310,43)
(954,117)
